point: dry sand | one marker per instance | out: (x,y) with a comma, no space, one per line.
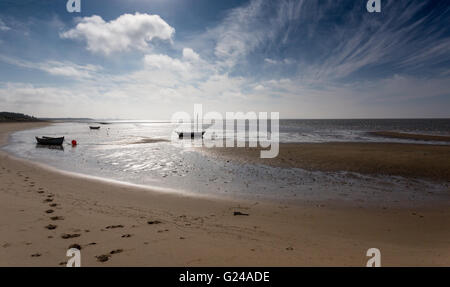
(190,231)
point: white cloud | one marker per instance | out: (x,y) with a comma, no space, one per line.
(190,55)
(248,27)
(56,68)
(176,82)
(275,62)
(270,61)
(164,62)
(3,26)
(124,33)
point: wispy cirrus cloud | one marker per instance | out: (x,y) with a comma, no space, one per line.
(245,28)
(56,68)
(3,26)
(402,39)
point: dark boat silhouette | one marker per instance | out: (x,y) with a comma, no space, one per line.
(50,140)
(191,134)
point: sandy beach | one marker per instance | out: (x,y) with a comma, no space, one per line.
(44,212)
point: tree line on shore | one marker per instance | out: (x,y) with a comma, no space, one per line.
(16,117)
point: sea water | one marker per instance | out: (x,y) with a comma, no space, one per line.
(143,152)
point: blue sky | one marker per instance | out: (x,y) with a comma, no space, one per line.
(147,59)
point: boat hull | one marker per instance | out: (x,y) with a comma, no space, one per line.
(50,141)
(190,135)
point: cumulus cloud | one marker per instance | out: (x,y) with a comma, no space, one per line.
(124,33)
(161,62)
(190,55)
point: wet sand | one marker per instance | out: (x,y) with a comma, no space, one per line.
(408,160)
(43,212)
(409,136)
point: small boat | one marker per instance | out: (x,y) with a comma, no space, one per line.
(94,128)
(191,135)
(50,140)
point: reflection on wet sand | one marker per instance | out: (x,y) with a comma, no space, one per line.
(54,147)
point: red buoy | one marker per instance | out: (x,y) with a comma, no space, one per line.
(74,142)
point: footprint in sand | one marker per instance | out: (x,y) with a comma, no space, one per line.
(126,236)
(105,257)
(53,204)
(102,258)
(36,255)
(48,200)
(57,218)
(51,227)
(152,222)
(40,191)
(68,236)
(117,251)
(49,211)
(114,226)
(76,246)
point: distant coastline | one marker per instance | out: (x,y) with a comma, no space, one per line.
(17,117)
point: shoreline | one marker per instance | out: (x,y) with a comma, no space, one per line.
(411,136)
(146,228)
